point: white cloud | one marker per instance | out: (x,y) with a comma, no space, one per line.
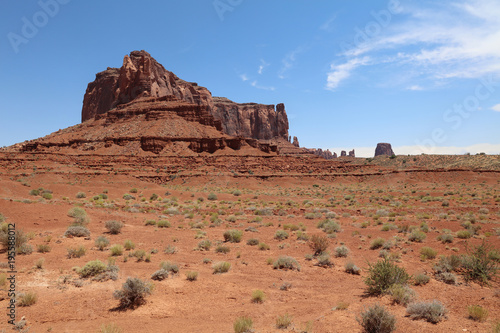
(244,77)
(490,149)
(341,72)
(415,87)
(327,26)
(443,41)
(256,85)
(262,66)
(289,61)
(496,107)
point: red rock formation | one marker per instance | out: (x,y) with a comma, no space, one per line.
(296,142)
(384,149)
(352,154)
(343,153)
(142,76)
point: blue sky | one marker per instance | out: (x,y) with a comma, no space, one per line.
(422,75)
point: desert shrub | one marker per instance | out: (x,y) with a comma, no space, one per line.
(129,245)
(163,224)
(463,234)
(47,196)
(150,222)
(447,264)
(401,294)
(43,248)
(324,260)
(263,247)
(341,251)
(258,296)
(114,227)
(477,264)
(281,235)
(79,215)
(139,254)
(128,197)
(101,243)
(383,275)
(421,279)
(351,268)
(377,243)
(233,236)
(26,299)
(243,325)
(283,321)
(25,249)
(427,253)
(252,241)
(76,252)
(153,197)
(39,263)
(445,238)
(318,244)
(169,267)
(110,328)
(222,249)
(92,268)
(447,277)
(191,276)
(417,236)
(477,313)
(35,192)
(376,319)
(116,250)
(21,239)
(221,267)
(77,231)
(302,236)
(204,245)
(160,275)
(286,262)
(133,292)
(329,226)
(432,312)
(212,196)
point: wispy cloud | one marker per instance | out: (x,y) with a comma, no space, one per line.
(262,66)
(341,72)
(289,61)
(255,84)
(244,77)
(447,41)
(496,107)
(415,87)
(327,25)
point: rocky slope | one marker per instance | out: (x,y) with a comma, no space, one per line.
(142,76)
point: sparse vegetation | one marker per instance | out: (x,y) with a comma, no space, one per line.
(286,262)
(114,227)
(432,312)
(383,275)
(221,267)
(376,319)
(477,313)
(133,293)
(243,325)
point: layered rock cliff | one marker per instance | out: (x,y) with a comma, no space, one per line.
(384,149)
(142,76)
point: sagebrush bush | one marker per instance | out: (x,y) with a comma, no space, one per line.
(79,215)
(21,239)
(76,252)
(43,248)
(341,251)
(116,250)
(383,275)
(252,241)
(463,234)
(281,235)
(330,226)
(421,279)
(212,196)
(428,253)
(324,260)
(318,244)
(478,265)
(377,243)
(101,243)
(283,321)
(351,268)
(258,296)
(133,292)
(114,227)
(446,238)
(401,294)
(286,262)
(233,236)
(77,231)
(243,325)
(129,245)
(204,245)
(221,267)
(477,313)
(376,319)
(110,328)
(92,268)
(433,311)
(222,249)
(160,275)
(26,299)
(191,276)
(417,236)
(163,224)
(263,247)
